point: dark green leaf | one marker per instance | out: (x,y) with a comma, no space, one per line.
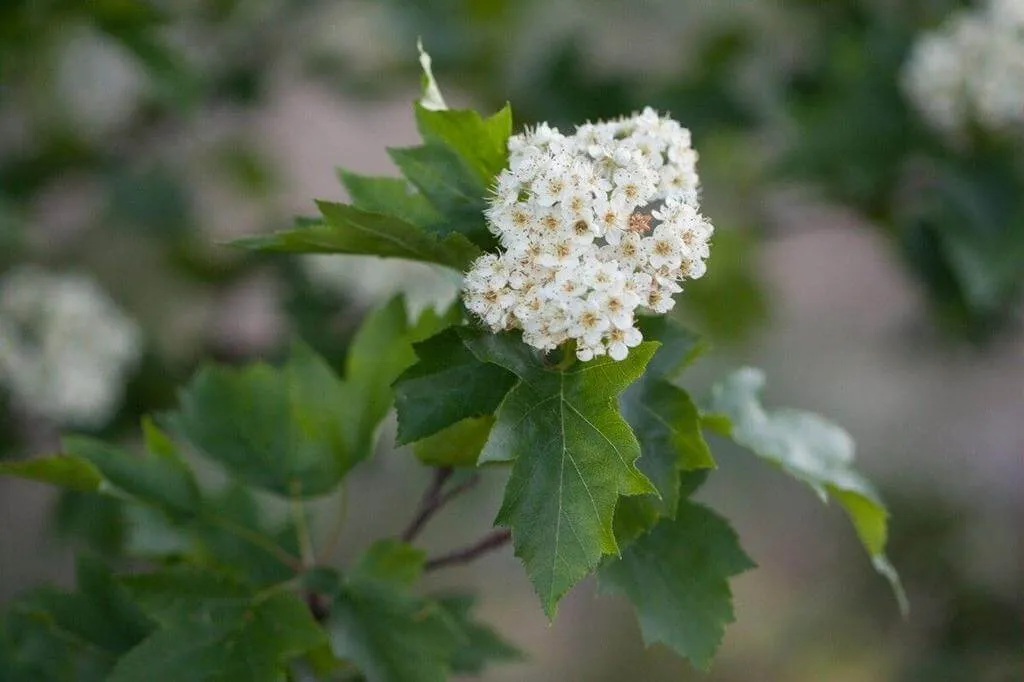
(573,456)
(666,423)
(812,450)
(483,645)
(160,477)
(53,636)
(346,229)
(447,385)
(212,630)
(389,634)
(66,471)
(99,612)
(677,578)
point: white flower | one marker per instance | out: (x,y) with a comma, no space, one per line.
(971,70)
(592,227)
(65,349)
(621,340)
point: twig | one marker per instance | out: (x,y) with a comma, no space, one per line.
(489,543)
(433,500)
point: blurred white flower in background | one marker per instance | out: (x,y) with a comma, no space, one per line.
(371,280)
(971,70)
(65,348)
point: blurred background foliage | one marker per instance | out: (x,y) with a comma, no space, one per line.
(134,141)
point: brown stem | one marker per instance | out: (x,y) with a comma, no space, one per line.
(433,500)
(488,543)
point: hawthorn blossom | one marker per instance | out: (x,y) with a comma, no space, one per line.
(971,70)
(593,226)
(66,350)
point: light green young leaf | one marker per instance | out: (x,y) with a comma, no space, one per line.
(214,630)
(161,477)
(677,578)
(811,449)
(65,471)
(573,455)
(459,445)
(482,646)
(346,229)
(380,351)
(447,385)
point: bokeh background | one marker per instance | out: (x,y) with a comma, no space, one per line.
(870,265)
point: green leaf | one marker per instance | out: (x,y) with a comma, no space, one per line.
(281,429)
(54,636)
(677,578)
(459,445)
(389,634)
(217,542)
(379,352)
(160,478)
(481,143)
(573,456)
(346,229)
(212,630)
(298,429)
(65,471)
(99,612)
(482,644)
(663,417)
(390,561)
(452,187)
(390,196)
(447,385)
(811,449)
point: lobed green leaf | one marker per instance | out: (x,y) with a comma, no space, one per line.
(677,577)
(811,449)
(347,229)
(447,385)
(572,456)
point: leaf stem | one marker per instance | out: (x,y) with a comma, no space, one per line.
(490,542)
(334,537)
(302,526)
(256,539)
(433,500)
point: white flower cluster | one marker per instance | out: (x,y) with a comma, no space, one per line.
(592,226)
(971,70)
(65,348)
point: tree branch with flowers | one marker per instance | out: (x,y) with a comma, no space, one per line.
(557,368)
